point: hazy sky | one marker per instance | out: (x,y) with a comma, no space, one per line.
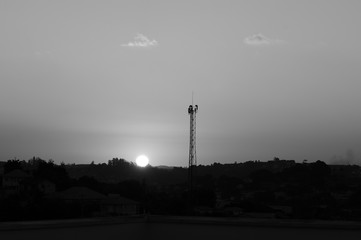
(84,81)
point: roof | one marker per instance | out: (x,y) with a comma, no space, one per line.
(45,181)
(119,201)
(17,173)
(78,193)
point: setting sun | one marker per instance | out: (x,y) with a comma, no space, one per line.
(142,161)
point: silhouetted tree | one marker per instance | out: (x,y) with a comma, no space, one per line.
(52,172)
(11,165)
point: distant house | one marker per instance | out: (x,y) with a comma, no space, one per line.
(13,181)
(203,211)
(102,205)
(1,175)
(75,194)
(233,211)
(78,201)
(46,187)
(116,205)
(2,164)
(282,211)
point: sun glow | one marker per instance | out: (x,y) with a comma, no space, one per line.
(142,161)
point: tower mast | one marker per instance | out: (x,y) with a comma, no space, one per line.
(192,111)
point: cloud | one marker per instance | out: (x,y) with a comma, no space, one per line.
(260,40)
(141,41)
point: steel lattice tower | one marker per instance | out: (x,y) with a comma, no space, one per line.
(192,111)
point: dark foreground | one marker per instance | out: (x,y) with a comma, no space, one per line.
(177,230)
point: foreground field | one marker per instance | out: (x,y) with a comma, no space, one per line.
(177,230)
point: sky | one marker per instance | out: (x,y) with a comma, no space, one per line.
(84,81)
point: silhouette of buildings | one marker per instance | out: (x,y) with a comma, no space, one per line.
(117,205)
(93,203)
(13,182)
(272,189)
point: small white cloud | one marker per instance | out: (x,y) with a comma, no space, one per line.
(141,41)
(259,40)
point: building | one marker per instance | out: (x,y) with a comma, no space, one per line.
(95,203)
(13,182)
(116,205)
(78,194)
(46,187)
